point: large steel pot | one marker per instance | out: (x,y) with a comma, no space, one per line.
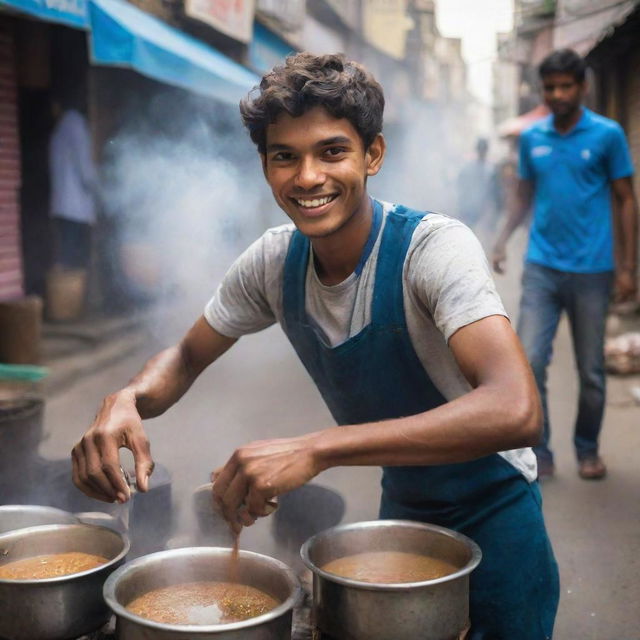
(195,564)
(62,607)
(21,516)
(355,610)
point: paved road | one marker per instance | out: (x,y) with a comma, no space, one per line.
(259,390)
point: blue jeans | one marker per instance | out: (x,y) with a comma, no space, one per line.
(546,293)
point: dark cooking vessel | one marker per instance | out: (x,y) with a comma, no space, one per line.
(196,564)
(62,607)
(355,610)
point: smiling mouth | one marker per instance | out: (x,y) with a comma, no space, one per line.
(314,203)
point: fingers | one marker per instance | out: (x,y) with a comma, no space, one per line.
(141,449)
(103,467)
(78,472)
(221,478)
(240,506)
(96,465)
(81,477)
(233,499)
(258,504)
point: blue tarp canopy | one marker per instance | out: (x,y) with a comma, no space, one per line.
(124,36)
(72,13)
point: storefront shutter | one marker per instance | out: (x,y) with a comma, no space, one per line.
(10,244)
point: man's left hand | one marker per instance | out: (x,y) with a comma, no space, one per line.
(626,286)
(260,471)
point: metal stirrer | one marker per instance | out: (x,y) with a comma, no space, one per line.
(125,512)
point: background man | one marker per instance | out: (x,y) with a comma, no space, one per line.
(73,188)
(394,314)
(570,162)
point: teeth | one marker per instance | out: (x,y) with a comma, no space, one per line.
(318,202)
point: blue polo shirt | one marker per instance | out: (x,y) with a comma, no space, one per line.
(572,226)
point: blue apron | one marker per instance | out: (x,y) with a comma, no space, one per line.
(376,375)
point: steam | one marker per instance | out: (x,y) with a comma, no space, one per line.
(185,197)
(204,614)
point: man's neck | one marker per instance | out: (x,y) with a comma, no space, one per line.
(337,255)
(564,124)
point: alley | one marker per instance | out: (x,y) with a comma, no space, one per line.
(259,390)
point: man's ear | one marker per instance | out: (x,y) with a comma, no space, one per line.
(374,155)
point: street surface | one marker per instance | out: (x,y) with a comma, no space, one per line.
(259,390)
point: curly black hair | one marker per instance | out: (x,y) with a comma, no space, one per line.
(343,87)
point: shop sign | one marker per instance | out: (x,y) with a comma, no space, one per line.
(234,18)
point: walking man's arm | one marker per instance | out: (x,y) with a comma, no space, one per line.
(164,379)
(515,217)
(626,225)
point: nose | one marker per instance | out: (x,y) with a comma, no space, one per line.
(309,174)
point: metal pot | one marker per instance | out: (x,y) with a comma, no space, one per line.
(20,429)
(21,516)
(194,564)
(62,607)
(354,610)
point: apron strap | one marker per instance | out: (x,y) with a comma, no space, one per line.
(388,301)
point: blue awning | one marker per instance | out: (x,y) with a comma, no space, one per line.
(267,49)
(72,13)
(124,36)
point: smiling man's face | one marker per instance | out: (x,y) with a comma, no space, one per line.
(316,166)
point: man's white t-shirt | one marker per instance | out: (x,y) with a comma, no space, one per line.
(446,285)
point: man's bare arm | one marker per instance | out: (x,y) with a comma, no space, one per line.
(626,226)
(515,217)
(162,382)
(501,412)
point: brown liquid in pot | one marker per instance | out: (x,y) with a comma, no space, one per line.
(50,566)
(203,603)
(389,567)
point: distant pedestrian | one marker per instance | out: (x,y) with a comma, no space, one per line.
(73,189)
(476,187)
(570,163)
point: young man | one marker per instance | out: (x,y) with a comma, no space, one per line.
(570,162)
(395,316)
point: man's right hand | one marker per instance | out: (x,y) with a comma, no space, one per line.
(96,460)
(498,258)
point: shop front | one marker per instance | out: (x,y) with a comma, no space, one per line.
(57,56)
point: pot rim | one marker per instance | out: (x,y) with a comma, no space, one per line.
(474,560)
(36,508)
(109,591)
(71,576)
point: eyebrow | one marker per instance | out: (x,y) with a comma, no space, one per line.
(322,143)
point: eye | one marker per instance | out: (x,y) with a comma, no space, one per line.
(282,156)
(335,152)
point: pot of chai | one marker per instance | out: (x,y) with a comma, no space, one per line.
(51,580)
(203,593)
(391,579)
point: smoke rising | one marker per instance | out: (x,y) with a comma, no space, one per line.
(183,189)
